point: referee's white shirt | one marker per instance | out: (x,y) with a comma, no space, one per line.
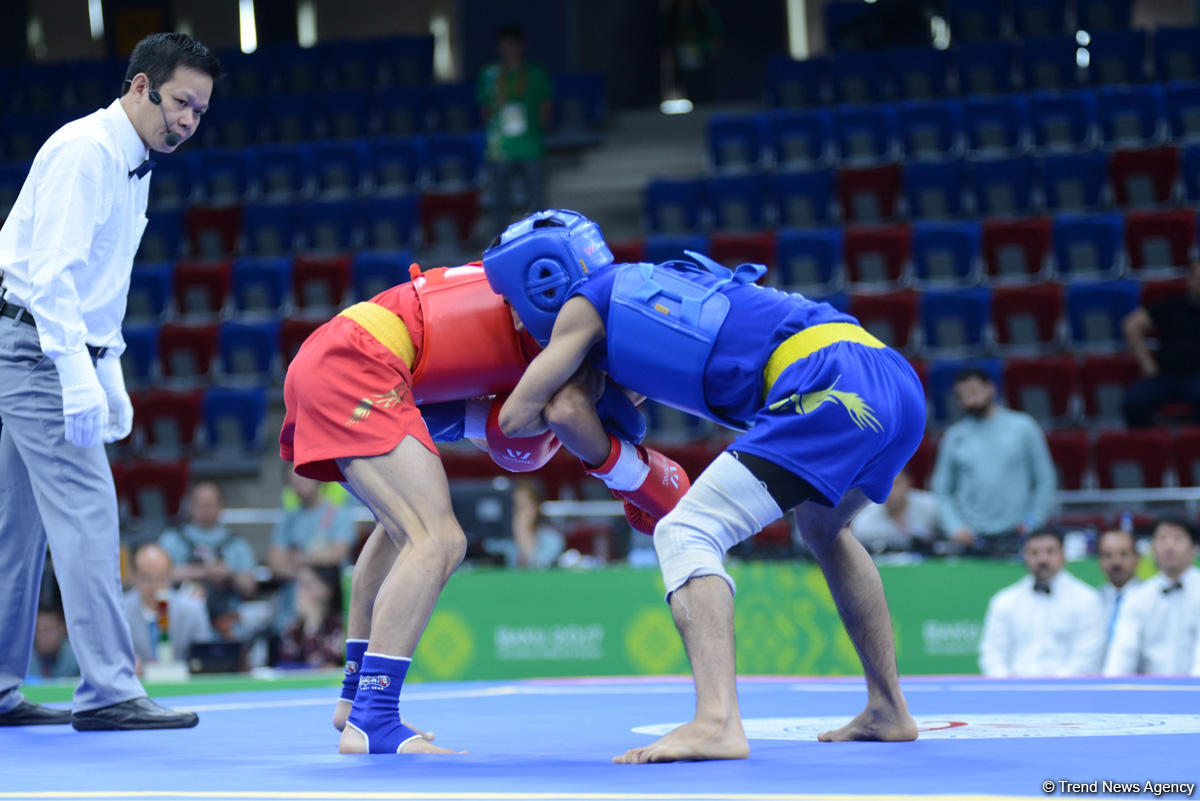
(1156,632)
(67,247)
(1029,633)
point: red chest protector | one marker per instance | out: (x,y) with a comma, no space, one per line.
(469,347)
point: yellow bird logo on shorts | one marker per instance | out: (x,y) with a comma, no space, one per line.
(386,401)
(862,414)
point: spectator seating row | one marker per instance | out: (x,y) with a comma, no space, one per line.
(984,68)
(170,424)
(1158,177)
(1047,121)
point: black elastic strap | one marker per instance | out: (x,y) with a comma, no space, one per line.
(785,487)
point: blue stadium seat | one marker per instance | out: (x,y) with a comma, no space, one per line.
(810,259)
(297,70)
(1175,54)
(941,384)
(669,247)
(269,231)
(455,159)
(976,20)
(797,84)
(330,226)
(843,22)
(1190,171)
(674,206)
(858,77)
(22,134)
(92,83)
(995,124)
(149,291)
(955,321)
(803,199)
(1089,244)
(934,189)
(1003,186)
(406,61)
(801,138)
(232,124)
(375,271)
(401,110)
(12,178)
(737,202)
(931,128)
(1074,181)
(397,164)
(1105,15)
(1183,108)
(580,109)
(736,141)
(453,106)
(235,418)
(390,223)
(919,73)
(1063,119)
(1132,115)
(1095,311)
(283,171)
(340,167)
(288,119)
(246,78)
(1049,62)
(226,176)
(141,352)
(247,350)
(345,114)
(838,300)
(174,181)
(350,65)
(1038,17)
(162,240)
(261,285)
(985,68)
(865,134)
(946,252)
(1117,57)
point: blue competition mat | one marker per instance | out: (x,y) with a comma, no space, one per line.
(554,739)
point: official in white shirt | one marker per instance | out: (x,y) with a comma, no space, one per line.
(1047,624)
(1159,624)
(66,252)
(1117,555)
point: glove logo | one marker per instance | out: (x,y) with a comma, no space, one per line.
(525,457)
(671,476)
(374,682)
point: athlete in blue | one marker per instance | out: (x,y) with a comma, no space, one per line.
(829,415)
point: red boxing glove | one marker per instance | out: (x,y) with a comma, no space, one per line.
(640,520)
(517,454)
(663,484)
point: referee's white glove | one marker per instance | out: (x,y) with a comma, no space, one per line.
(85,407)
(120,410)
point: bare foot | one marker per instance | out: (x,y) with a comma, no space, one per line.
(880,725)
(353,742)
(341,713)
(692,742)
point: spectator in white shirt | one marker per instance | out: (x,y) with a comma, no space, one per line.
(1047,624)
(66,253)
(908,517)
(1156,632)
(1118,557)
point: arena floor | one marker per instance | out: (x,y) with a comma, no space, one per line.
(554,739)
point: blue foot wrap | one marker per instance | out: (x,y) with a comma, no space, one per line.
(354,656)
(376,711)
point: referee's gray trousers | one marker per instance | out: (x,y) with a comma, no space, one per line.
(52,491)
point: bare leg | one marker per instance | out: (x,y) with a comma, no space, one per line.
(857,590)
(703,612)
(408,493)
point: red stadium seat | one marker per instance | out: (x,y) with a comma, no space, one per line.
(920,466)
(1132,459)
(1016,249)
(1159,240)
(1103,381)
(1155,292)
(213,231)
(202,287)
(892,317)
(629,251)
(1042,387)
(164,421)
(1144,178)
(186,351)
(1027,319)
(878,255)
(591,539)
(734,249)
(445,213)
(292,334)
(1069,450)
(321,282)
(153,490)
(869,194)
(1185,452)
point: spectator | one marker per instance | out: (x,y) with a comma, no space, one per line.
(514,97)
(1118,559)
(315,637)
(908,517)
(535,543)
(187,617)
(1156,630)
(52,654)
(993,478)
(1172,374)
(1047,624)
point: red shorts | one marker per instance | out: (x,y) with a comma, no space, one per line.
(347,395)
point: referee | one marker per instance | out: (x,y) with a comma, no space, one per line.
(66,251)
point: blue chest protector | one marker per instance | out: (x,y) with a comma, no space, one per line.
(662,324)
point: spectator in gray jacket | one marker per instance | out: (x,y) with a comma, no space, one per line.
(187,618)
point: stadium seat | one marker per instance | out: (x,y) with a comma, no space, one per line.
(1175,56)
(892,317)
(165,422)
(1116,56)
(869,194)
(174,182)
(390,223)
(1132,115)
(1070,452)
(1183,110)
(1155,292)
(261,285)
(397,165)
(376,271)
(865,134)
(238,125)
(12,178)
(1043,388)
(149,291)
(1159,241)
(920,466)
(1103,382)
(1003,187)
(941,384)
(919,73)
(931,128)
(292,333)
(934,189)
(985,68)
(235,419)
(1104,15)
(858,77)
(162,239)
(340,168)
(736,142)
(1074,181)
(287,120)
(283,171)
(1144,178)
(213,232)
(803,199)
(270,231)
(797,84)
(580,108)
(1132,459)
(406,61)
(247,350)
(670,247)
(878,255)
(674,206)
(1185,455)
(628,251)
(453,106)
(1095,311)
(331,226)
(298,71)
(186,352)
(1016,250)
(1063,120)
(734,249)
(801,138)
(140,358)
(449,216)
(737,202)
(946,252)
(352,65)
(1089,244)
(345,114)
(225,176)
(401,110)
(455,159)
(809,259)
(153,491)
(202,287)
(1039,17)
(954,322)
(1026,319)
(996,125)
(320,283)
(976,20)
(1049,62)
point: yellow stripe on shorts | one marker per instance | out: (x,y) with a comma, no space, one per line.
(385,327)
(803,344)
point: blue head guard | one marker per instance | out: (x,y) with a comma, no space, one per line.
(539,260)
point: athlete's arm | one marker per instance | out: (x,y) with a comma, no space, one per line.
(576,329)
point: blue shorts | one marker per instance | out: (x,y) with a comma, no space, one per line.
(847,416)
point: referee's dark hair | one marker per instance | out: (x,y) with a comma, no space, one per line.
(160,54)
(1179,521)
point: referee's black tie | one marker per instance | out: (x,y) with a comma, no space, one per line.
(143,168)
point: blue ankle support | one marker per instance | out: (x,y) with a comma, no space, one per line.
(354,656)
(376,711)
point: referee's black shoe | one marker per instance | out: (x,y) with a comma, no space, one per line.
(29,714)
(137,713)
